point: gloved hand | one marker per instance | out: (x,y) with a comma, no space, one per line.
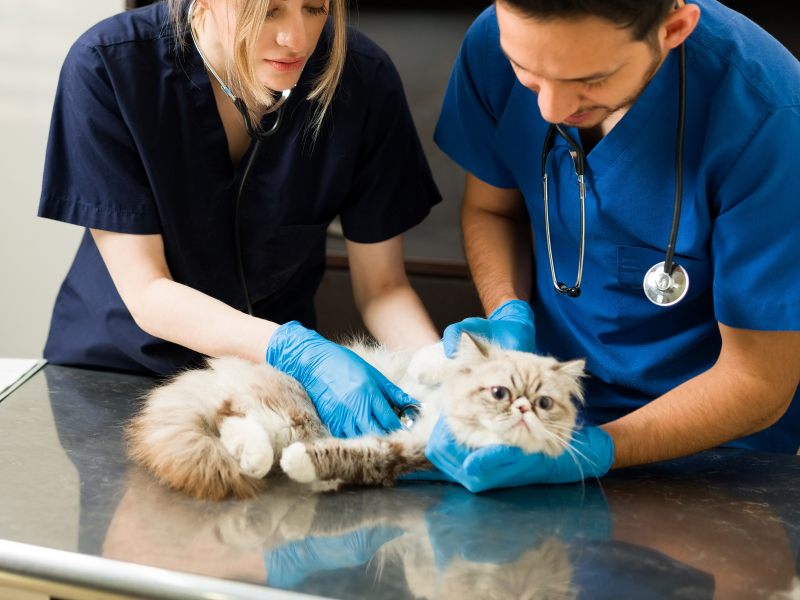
(351,396)
(510,326)
(477,527)
(289,564)
(589,454)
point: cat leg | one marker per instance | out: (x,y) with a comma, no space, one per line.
(365,460)
(248,442)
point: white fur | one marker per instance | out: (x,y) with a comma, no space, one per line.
(296,463)
(248,442)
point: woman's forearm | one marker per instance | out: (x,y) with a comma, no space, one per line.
(180,314)
(398,319)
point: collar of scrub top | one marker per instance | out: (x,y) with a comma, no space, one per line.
(238,102)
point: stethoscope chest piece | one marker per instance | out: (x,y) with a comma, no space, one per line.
(663,289)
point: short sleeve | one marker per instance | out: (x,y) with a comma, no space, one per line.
(756,236)
(479,88)
(94,176)
(392,188)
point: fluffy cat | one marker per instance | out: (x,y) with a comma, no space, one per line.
(216,433)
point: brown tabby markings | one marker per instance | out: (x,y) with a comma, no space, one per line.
(208,473)
(176,433)
(379,463)
(224,411)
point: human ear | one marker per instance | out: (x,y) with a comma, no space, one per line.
(679,25)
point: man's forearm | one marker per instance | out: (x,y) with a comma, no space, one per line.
(747,390)
(498,243)
(711,409)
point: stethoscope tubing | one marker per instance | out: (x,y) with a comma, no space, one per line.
(664,290)
(676,215)
(257,136)
(579,159)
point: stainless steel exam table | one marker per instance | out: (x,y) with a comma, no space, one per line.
(78,522)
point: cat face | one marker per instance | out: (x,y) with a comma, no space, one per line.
(512,398)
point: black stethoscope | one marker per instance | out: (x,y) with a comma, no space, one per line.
(667,282)
(258,136)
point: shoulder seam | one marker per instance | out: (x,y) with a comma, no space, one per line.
(744,77)
(761,125)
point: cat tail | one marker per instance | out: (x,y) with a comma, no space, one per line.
(182,447)
(364,460)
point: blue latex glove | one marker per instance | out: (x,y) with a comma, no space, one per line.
(510,326)
(351,396)
(289,564)
(477,527)
(589,454)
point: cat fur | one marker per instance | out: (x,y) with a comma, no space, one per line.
(215,433)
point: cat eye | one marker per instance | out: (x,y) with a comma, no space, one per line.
(545,403)
(500,393)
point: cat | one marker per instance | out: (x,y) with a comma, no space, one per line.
(217,432)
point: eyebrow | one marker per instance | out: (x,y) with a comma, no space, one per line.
(591,77)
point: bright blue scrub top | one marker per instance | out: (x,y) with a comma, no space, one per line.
(739,238)
(137,146)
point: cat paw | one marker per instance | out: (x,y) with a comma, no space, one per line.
(249,444)
(296,463)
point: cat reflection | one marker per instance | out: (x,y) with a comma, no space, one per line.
(544,572)
(230,540)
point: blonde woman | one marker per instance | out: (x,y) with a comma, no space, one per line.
(147,152)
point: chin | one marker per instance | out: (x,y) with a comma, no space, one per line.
(588,124)
(281,81)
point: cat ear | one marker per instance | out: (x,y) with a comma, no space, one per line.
(573,368)
(471,349)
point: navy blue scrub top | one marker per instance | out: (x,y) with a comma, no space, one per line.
(137,146)
(738,236)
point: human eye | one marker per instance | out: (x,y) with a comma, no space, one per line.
(271,14)
(596,83)
(317,11)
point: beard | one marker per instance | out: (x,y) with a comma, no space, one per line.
(607,111)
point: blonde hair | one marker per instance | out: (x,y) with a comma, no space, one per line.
(240,72)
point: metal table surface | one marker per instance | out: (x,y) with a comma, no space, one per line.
(78,521)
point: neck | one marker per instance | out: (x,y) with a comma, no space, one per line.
(208,42)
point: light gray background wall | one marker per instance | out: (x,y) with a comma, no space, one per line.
(34,39)
(35,254)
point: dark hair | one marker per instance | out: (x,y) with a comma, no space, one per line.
(643,17)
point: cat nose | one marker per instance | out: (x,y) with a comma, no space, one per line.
(523,405)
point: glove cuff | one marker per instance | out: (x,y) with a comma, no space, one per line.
(513,310)
(602,450)
(286,337)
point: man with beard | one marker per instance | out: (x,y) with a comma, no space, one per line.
(720,367)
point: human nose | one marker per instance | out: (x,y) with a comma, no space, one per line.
(557,102)
(292,34)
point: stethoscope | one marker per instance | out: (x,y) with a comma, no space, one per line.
(667,282)
(258,136)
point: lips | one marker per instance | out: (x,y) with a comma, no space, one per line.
(573,120)
(286,65)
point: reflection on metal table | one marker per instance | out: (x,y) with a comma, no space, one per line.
(77,521)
